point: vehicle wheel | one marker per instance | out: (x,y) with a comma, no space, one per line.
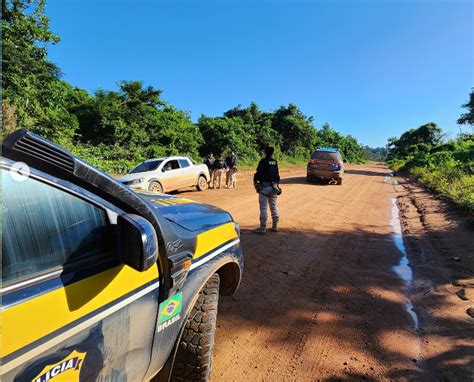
(202,183)
(309,178)
(339,181)
(194,355)
(155,187)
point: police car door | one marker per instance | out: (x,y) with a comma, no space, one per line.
(71,311)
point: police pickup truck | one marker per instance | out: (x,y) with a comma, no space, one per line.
(101,283)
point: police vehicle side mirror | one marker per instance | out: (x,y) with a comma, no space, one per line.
(137,242)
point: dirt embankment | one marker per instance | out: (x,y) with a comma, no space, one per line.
(319,300)
(440,242)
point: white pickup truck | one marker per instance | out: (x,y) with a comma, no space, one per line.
(167,174)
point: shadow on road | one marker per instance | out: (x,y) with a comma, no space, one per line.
(302,180)
(338,285)
(365,172)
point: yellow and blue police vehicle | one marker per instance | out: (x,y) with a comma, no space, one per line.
(100,283)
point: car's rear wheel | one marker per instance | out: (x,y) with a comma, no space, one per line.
(202,183)
(339,181)
(155,187)
(309,178)
(194,355)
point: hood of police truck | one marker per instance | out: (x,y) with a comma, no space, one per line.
(186,213)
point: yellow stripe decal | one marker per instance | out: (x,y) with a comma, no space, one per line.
(42,315)
(36,318)
(171,202)
(209,240)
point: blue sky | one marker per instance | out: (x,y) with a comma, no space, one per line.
(372,69)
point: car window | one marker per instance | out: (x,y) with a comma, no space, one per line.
(45,227)
(171,165)
(147,166)
(184,163)
(325,155)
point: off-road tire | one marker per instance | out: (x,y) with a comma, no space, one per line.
(194,355)
(339,181)
(202,183)
(155,187)
(309,178)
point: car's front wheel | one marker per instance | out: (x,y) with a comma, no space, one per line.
(155,187)
(202,183)
(194,355)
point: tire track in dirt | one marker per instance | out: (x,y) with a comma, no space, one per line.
(319,299)
(360,202)
(350,199)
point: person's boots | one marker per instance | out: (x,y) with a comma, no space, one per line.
(275,226)
(260,230)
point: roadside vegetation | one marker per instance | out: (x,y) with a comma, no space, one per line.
(444,166)
(117,129)
(376,154)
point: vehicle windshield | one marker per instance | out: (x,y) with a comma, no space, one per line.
(147,166)
(325,155)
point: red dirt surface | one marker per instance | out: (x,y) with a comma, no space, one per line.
(319,300)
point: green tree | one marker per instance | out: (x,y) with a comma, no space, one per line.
(351,150)
(222,134)
(468,118)
(25,35)
(296,130)
(260,125)
(176,133)
(348,146)
(445,167)
(136,118)
(115,129)
(33,95)
(412,141)
(377,154)
(328,136)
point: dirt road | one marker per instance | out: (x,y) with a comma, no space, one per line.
(320,300)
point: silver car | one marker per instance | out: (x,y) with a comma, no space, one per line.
(167,174)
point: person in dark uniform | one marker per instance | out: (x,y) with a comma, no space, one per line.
(266,181)
(209,162)
(218,169)
(231,162)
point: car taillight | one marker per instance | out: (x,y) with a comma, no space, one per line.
(312,161)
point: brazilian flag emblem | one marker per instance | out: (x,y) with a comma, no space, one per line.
(170,308)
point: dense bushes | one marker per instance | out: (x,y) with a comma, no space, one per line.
(114,130)
(248,130)
(445,167)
